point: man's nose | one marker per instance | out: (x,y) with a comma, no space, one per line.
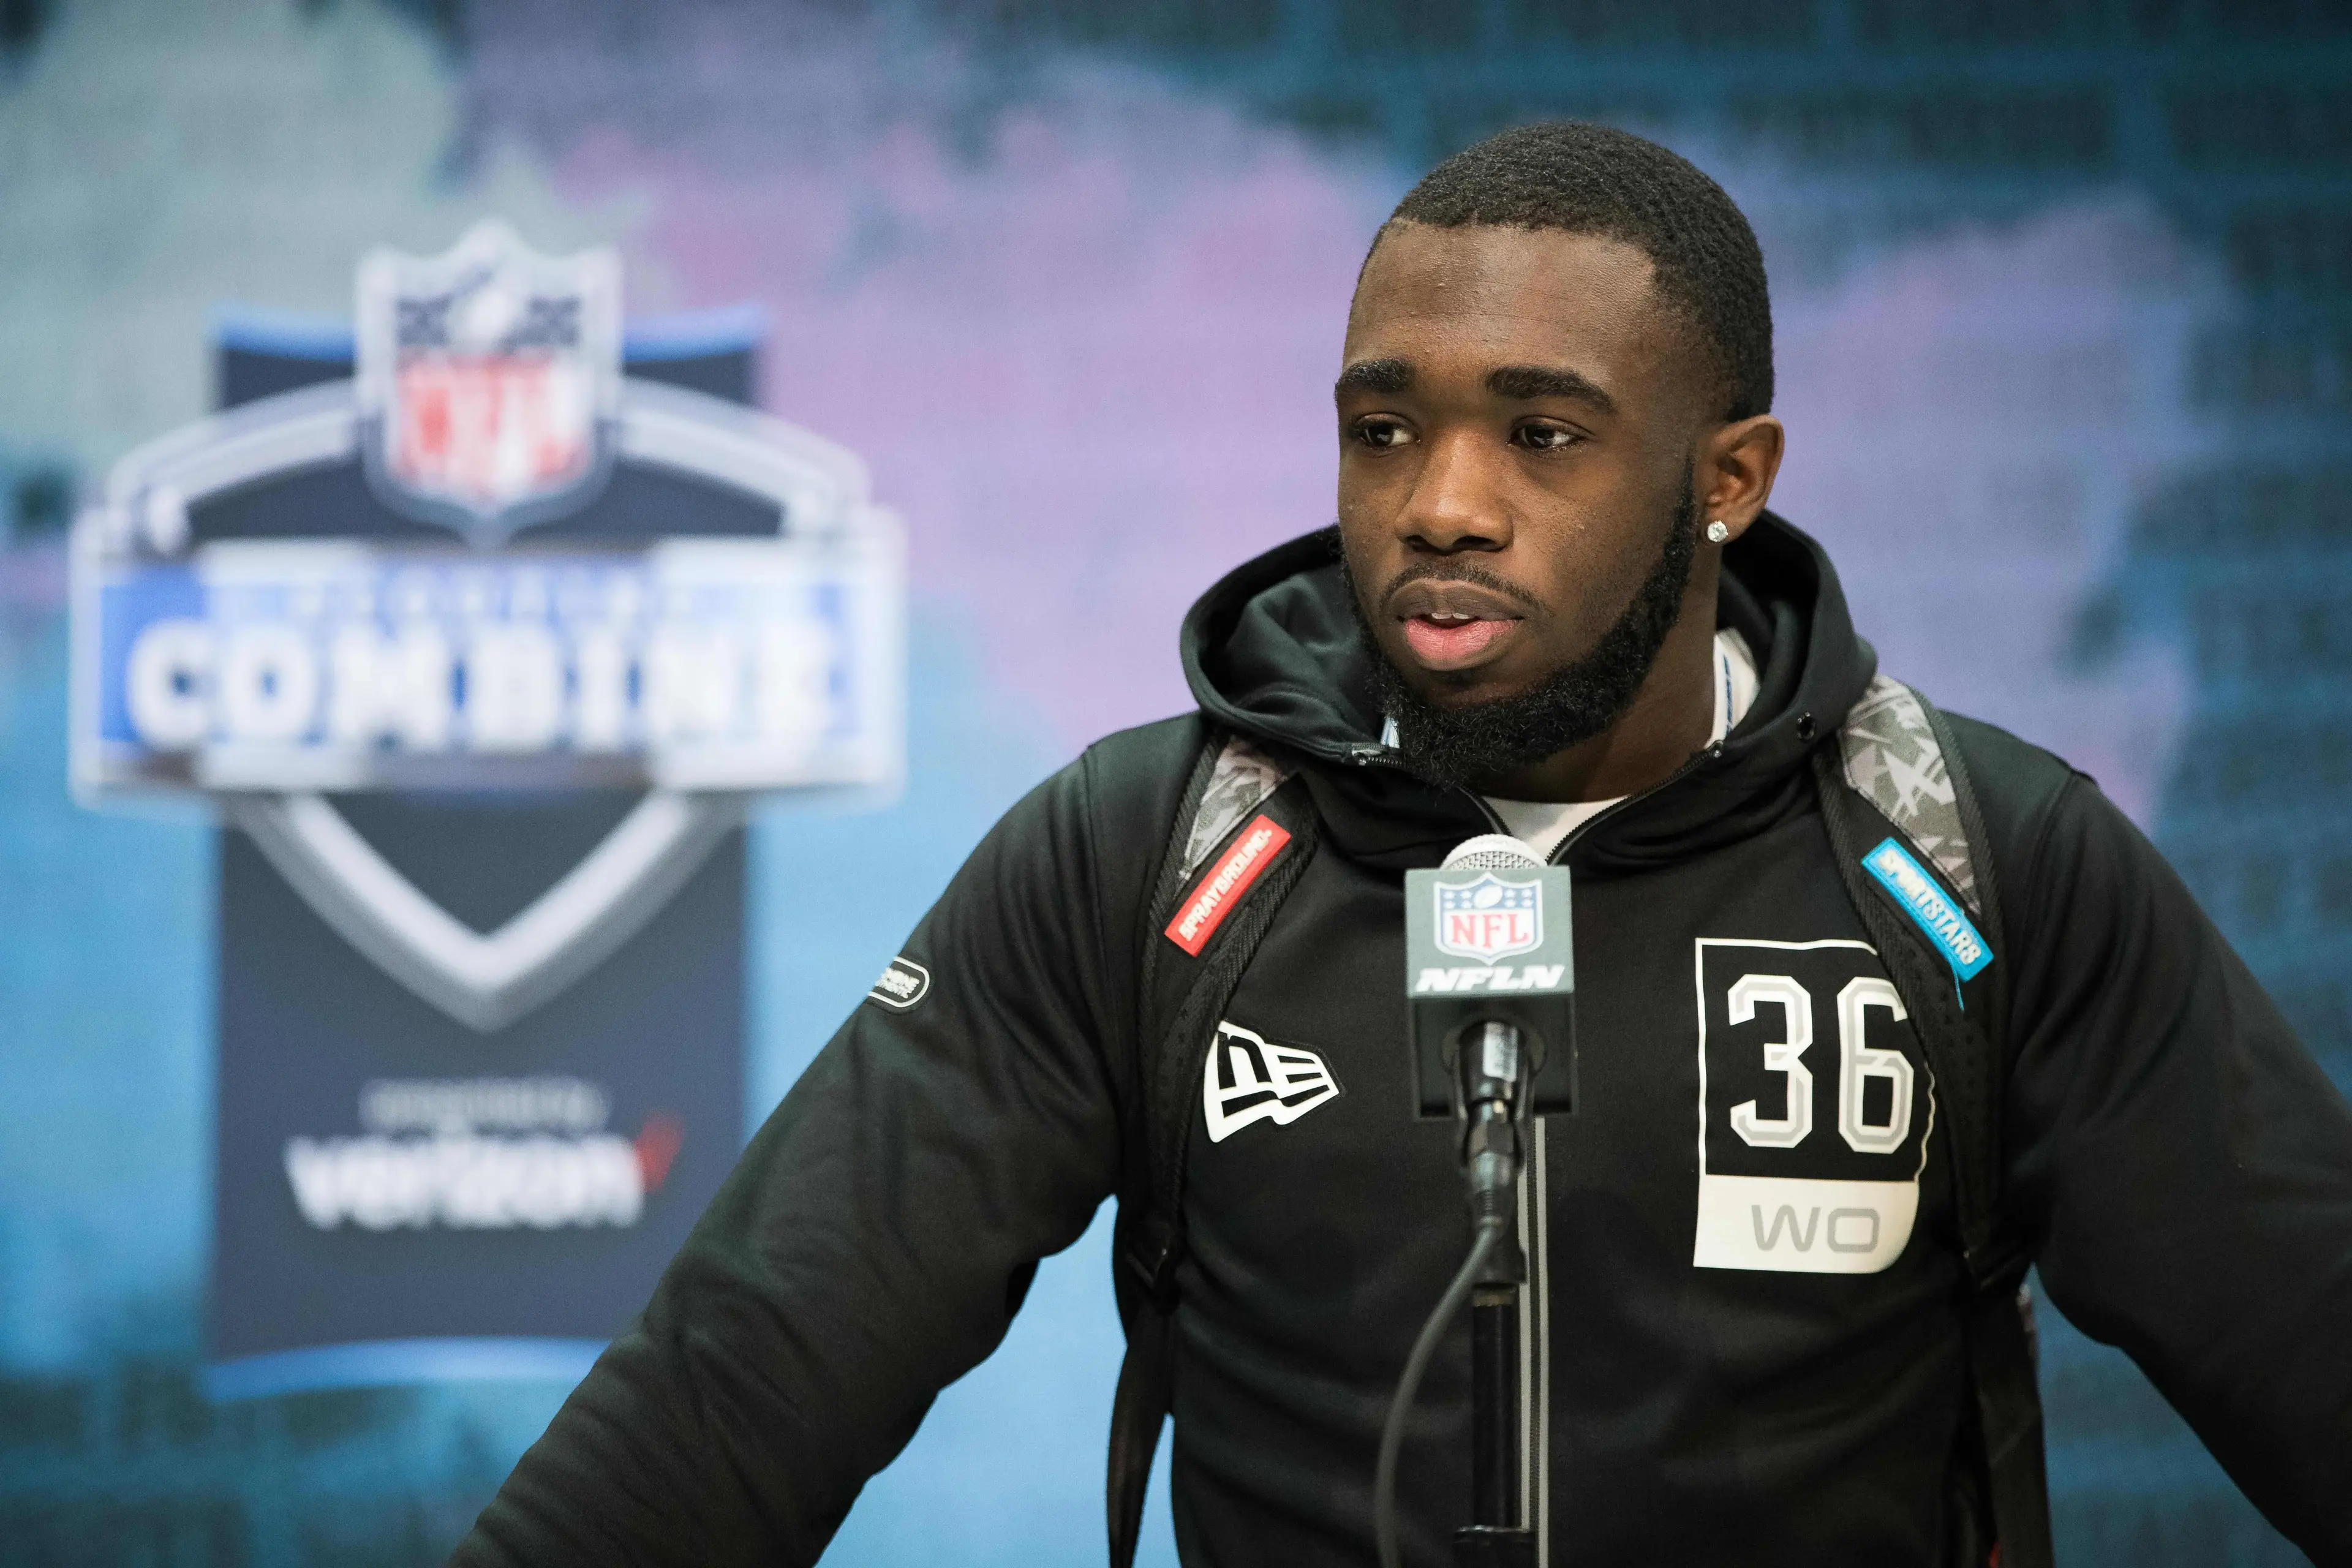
(1456,501)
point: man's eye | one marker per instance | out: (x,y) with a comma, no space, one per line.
(1382,432)
(1544,438)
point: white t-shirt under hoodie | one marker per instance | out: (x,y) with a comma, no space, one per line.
(1543,824)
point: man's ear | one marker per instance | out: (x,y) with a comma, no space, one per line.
(1737,465)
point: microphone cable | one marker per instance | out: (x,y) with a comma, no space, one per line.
(1489,1234)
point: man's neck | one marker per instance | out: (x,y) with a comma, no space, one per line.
(1671,718)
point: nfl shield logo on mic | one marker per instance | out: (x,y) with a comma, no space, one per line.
(1490,918)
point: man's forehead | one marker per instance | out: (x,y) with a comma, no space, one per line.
(1481,268)
(1485,298)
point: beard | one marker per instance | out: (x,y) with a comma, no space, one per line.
(1473,743)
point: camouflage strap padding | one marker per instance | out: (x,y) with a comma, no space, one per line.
(1243,779)
(1894,761)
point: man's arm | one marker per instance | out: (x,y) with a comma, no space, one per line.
(2190,1163)
(871,1246)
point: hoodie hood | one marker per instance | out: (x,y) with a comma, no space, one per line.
(1272,651)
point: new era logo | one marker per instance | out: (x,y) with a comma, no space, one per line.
(1250,1079)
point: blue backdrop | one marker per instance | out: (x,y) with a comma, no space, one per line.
(1071,276)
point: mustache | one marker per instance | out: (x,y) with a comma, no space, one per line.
(1469,572)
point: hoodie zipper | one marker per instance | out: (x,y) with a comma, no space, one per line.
(1363,754)
(1704,754)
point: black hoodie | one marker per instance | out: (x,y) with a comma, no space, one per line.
(1704,1394)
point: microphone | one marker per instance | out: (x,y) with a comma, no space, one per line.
(1490,980)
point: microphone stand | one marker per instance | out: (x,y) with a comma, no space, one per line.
(1491,1069)
(1491,1080)
(1477,1055)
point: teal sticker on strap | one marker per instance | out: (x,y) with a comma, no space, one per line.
(1942,919)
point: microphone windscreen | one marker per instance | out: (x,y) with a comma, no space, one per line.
(1488,939)
(1491,852)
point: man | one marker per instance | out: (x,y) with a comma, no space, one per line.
(1554,602)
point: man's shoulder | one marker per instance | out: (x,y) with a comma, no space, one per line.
(2007,770)
(1133,781)
(2021,789)
(1144,758)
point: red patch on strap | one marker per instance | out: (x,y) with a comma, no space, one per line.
(1226,883)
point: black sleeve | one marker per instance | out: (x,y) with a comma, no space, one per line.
(2188,1161)
(871,1246)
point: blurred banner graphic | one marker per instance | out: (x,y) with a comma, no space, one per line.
(483,644)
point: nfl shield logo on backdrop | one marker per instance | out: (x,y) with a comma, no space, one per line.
(1490,918)
(489,380)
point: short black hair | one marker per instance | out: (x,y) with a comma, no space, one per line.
(1595,179)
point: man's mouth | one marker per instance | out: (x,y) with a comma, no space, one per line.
(1453,625)
(1442,641)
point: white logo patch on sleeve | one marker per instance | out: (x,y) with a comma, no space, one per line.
(1250,1079)
(902,983)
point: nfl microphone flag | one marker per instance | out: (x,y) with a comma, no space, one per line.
(1491,940)
(478,625)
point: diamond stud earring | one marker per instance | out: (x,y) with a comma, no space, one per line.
(1718,531)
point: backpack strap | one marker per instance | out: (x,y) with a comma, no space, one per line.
(1243,835)
(1896,756)
(1899,756)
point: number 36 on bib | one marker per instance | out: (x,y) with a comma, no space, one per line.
(1815,1108)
